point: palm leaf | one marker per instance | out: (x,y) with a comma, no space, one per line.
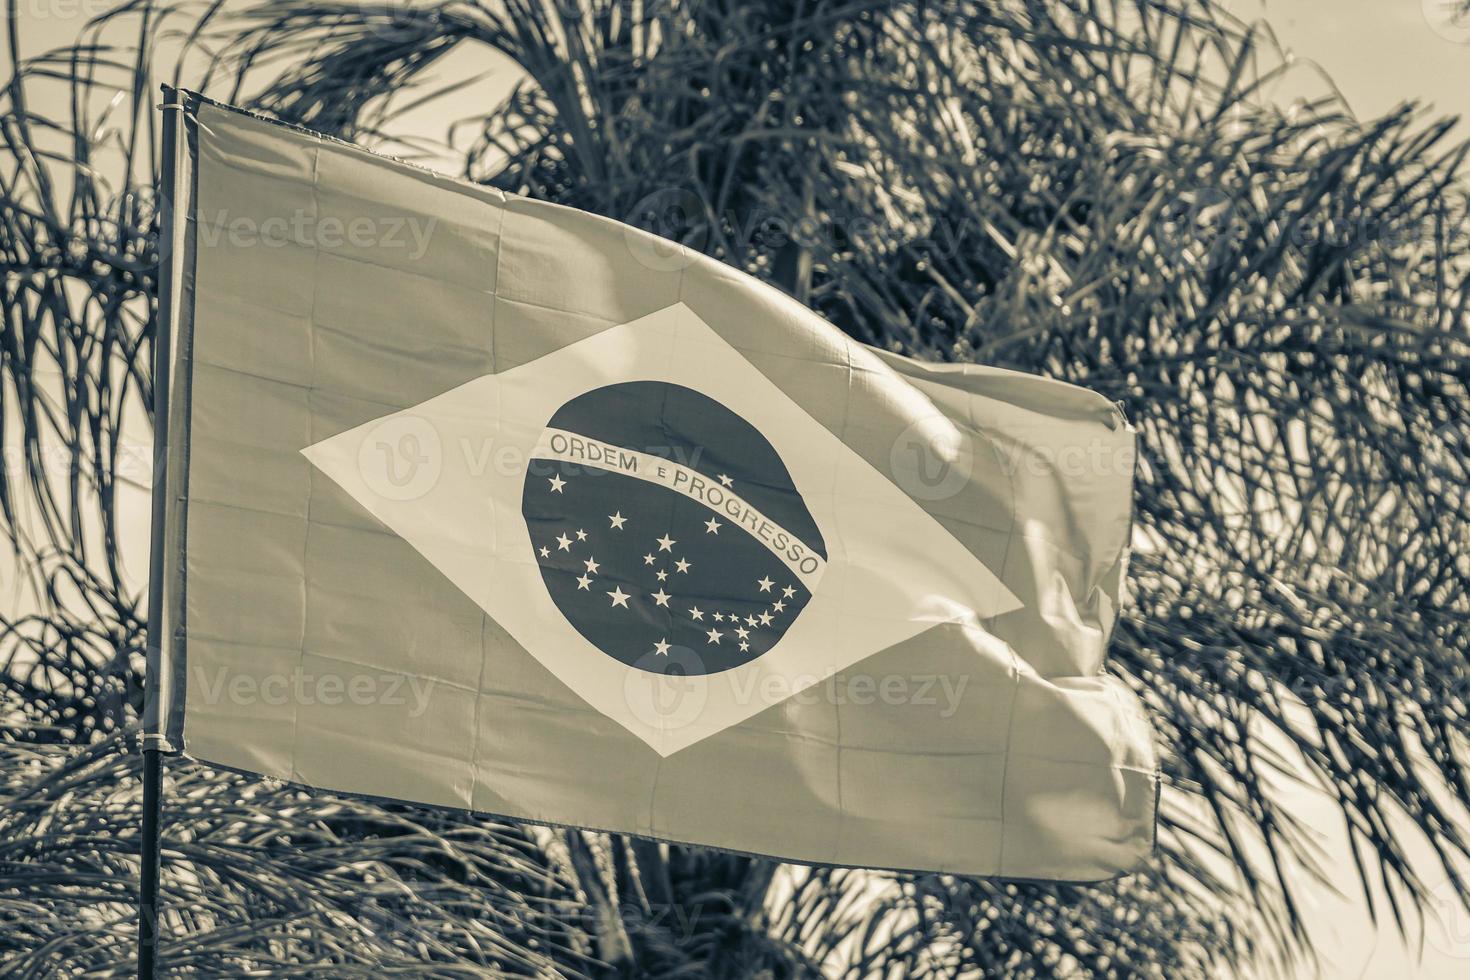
(1096,190)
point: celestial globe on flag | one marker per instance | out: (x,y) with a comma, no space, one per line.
(669,523)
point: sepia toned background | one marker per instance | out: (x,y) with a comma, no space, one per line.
(1025,281)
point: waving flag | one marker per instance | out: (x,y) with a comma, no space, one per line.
(485,503)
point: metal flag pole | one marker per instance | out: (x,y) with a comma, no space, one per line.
(154,741)
(148,879)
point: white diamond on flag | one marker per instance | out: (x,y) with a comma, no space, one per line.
(662,527)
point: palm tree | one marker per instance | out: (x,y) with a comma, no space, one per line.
(1096,190)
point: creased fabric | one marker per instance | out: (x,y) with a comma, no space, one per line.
(934,697)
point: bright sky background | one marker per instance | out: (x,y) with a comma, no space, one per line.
(1379,53)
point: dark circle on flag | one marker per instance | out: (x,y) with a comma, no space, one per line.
(638,567)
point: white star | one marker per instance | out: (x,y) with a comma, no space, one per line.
(744,645)
(742,632)
(592,565)
(661,597)
(649,559)
(788,592)
(696,612)
(666,543)
(563,542)
(583,582)
(714,636)
(719,617)
(557,483)
(545,552)
(682,565)
(581,535)
(661,648)
(778,606)
(619,597)
(765,619)
(662,574)
(765,584)
(725,480)
(749,620)
(712,526)
(618,520)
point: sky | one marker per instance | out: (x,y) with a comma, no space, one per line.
(1378,53)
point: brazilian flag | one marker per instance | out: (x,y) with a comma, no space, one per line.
(486,503)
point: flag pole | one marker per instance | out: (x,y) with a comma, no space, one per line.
(148,879)
(154,739)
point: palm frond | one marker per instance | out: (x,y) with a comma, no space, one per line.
(1096,190)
